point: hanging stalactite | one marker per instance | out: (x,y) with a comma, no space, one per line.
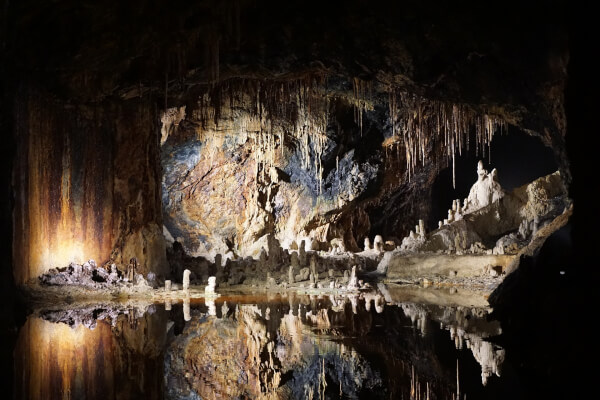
(422,121)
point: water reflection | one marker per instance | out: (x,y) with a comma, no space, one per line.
(276,346)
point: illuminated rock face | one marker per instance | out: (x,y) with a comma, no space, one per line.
(86,183)
(230,181)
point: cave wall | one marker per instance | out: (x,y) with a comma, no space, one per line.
(291,157)
(86,184)
(507,60)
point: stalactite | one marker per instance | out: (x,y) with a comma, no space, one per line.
(361,103)
(423,122)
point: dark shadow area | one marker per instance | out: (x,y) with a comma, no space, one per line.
(543,322)
(518,157)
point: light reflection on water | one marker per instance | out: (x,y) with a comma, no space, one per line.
(259,346)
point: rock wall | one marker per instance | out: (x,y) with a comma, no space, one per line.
(316,158)
(241,169)
(86,185)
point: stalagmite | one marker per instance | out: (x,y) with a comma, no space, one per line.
(422,228)
(302,253)
(291,274)
(168,305)
(378,243)
(483,192)
(186,279)
(295,262)
(262,259)
(168,285)
(210,288)
(367,244)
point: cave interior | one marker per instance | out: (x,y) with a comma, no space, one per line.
(194,130)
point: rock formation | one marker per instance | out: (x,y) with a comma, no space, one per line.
(485,191)
(186,279)
(212,283)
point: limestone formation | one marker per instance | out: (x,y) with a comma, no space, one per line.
(378,243)
(187,316)
(314,245)
(422,228)
(337,246)
(168,285)
(485,191)
(294,260)
(114,273)
(77,269)
(186,279)
(131,269)
(367,244)
(291,274)
(450,216)
(303,275)
(313,266)
(312,280)
(302,253)
(346,277)
(212,307)
(262,258)
(275,251)
(353,281)
(210,288)
(270,280)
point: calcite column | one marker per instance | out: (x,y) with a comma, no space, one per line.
(86,182)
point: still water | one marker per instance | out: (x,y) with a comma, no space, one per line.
(278,346)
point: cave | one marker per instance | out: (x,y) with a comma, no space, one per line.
(298,199)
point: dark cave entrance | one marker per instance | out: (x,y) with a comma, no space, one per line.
(518,157)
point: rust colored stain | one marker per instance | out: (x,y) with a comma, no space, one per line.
(85,179)
(55,361)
